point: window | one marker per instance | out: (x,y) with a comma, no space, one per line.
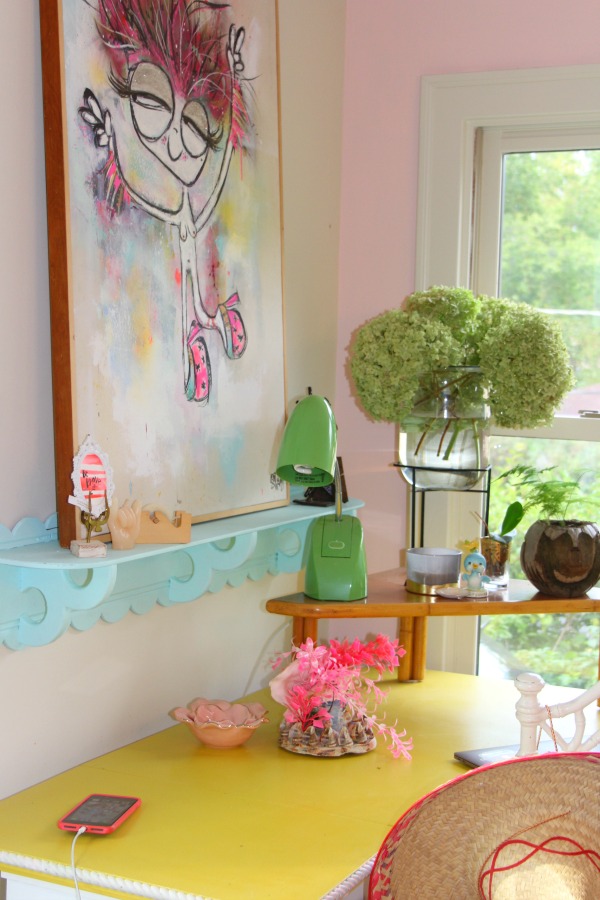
(539,240)
(563,649)
(478,130)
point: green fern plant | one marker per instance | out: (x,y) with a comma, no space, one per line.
(553,498)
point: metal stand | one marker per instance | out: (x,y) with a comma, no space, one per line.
(486,477)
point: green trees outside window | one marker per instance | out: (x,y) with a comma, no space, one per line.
(550,258)
(550,247)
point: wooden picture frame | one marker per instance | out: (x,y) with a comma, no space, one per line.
(165,249)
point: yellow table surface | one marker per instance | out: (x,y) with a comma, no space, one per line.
(257,821)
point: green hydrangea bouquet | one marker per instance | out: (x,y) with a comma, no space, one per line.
(520,351)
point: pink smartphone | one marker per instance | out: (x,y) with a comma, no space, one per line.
(99,813)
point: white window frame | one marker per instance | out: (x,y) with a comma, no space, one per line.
(454,109)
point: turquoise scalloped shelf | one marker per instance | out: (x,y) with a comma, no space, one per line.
(44,589)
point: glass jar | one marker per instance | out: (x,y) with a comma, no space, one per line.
(497,558)
(444,442)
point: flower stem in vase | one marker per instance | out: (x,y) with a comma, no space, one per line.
(444,441)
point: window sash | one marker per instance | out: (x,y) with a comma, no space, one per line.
(491,145)
(467,123)
(453,110)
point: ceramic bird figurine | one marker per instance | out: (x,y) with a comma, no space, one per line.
(474,575)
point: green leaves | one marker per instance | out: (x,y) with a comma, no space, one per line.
(512,517)
(552,498)
(519,349)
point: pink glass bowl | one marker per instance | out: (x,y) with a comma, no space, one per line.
(218,723)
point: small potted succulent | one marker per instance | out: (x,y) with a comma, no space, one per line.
(496,545)
(560,554)
(445,362)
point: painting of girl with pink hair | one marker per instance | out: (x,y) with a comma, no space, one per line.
(180,69)
(173,253)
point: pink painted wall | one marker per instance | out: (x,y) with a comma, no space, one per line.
(389,45)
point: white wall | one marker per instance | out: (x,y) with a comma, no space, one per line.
(390,44)
(90,692)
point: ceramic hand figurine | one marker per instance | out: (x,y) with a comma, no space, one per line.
(474,575)
(124,525)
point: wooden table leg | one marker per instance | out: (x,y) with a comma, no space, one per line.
(413,637)
(419,651)
(406,638)
(303,628)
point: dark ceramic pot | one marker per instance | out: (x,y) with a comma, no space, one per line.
(562,558)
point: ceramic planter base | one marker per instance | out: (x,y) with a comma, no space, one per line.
(352,737)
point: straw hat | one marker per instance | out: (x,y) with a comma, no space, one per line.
(524,828)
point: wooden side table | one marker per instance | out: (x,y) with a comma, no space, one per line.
(388,598)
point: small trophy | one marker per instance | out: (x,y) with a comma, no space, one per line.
(92,492)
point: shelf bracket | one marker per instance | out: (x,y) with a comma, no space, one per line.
(44,589)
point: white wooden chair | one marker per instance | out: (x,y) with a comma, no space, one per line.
(533,715)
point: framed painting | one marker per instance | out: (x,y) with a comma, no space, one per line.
(164,223)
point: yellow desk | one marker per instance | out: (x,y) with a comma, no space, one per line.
(254,823)
(388,598)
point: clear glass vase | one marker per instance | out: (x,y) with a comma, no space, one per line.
(444,443)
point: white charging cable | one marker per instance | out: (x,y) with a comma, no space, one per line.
(81,831)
